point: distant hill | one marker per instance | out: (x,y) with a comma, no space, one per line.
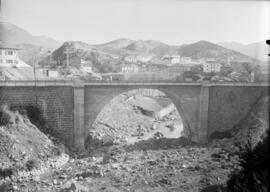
(116,46)
(150,47)
(157,49)
(126,46)
(30,53)
(100,60)
(81,49)
(15,35)
(258,50)
(205,49)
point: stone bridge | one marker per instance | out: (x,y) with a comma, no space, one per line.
(71,108)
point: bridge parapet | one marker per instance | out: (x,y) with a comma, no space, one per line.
(39,83)
(115,83)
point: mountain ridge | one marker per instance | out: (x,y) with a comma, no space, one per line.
(258,50)
(112,50)
(16,35)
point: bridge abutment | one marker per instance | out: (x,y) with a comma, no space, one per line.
(79,127)
(203,114)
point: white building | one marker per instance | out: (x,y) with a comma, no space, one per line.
(87,69)
(130,68)
(131,58)
(9,56)
(144,59)
(52,73)
(175,59)
(138,58)
(187,60)
(211,66)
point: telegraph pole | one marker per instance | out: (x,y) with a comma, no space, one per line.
(35,78)
(67,56)
(34,69)
(50,58)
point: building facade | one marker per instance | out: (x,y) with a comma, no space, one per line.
(9,56)
(211,66)
(176,59)
(131,58)
(130,68)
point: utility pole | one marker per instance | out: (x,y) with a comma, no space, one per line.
(67,56)
(35,78)
(34,70)
(50,57)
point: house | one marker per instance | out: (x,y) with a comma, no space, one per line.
(156,67)
(131,58)
(87,69)
(9,56)
(175,59)
(52,73)
(181,68)
(211,66)
(130,68)
(187,60)
(144,59)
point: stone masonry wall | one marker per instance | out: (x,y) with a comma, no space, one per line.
(56,104)
(228,105)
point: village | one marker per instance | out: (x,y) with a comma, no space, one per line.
(130,68)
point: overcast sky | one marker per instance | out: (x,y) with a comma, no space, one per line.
(169,21)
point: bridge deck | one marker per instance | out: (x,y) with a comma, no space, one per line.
(41,83)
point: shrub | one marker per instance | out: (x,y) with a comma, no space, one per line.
(30,165)
(4,118)
(254,174)
(4,173)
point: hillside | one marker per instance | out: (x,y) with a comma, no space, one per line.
(197,50)
(116,46)
(150,47)
(258,50)
(100,61)
(23,147)
(31,53)
(120,47)
(125,46)
(205,49)
(15,35)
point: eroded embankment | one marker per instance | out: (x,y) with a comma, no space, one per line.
(25,151)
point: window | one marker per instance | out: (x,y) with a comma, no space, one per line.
(16,61)
(1,61)
(9,52)
(0,52)
(9,61)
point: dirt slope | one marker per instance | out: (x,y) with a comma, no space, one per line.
(22,145)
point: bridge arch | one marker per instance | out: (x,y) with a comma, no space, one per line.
(111,124)
(186,101)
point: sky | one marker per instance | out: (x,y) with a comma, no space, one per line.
(171,21)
